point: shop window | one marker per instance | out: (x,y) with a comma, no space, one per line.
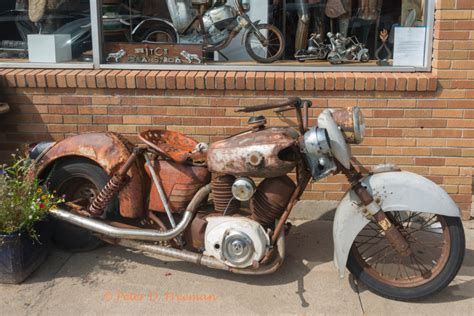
(45,31)
(291,33)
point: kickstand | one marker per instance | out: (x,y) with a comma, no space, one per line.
(223,56)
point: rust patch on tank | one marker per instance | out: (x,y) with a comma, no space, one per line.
(253,153)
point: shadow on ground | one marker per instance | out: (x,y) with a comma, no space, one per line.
(309,245)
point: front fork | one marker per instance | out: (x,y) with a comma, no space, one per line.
(393,235)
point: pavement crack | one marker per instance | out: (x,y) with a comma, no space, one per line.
(44,294)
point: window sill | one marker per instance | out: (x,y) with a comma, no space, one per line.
(217,80)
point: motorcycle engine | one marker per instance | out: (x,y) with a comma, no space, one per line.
(217,23)
(236,241)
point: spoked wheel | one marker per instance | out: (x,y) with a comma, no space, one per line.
(79,181)
(437,244)
(265,43)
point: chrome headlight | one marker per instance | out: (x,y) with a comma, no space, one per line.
(317,149)
(316,141)
(351,121)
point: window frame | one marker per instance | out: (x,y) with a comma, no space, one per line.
(97,44)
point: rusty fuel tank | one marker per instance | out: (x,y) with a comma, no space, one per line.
(264,153)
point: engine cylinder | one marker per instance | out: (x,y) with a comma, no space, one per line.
(271,199)
(221,190)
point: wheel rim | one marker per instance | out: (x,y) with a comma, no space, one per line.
(78,190)
(429,240)
(270,47)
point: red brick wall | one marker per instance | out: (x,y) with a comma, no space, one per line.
(423,122)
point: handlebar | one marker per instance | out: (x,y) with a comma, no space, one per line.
(283,106)
(291,103)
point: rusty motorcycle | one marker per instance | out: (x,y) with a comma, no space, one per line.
(226,205)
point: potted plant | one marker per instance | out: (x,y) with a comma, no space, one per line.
(24,229)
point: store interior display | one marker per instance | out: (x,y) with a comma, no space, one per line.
(316,32)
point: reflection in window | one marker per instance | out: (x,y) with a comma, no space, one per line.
(45,30)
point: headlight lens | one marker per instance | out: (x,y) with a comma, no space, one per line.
(352,124)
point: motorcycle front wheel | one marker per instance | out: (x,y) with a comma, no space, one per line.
(437,244)
(265,43)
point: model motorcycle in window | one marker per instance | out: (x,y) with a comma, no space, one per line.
(346,49)
(317,49)
(214,26)
(396,231)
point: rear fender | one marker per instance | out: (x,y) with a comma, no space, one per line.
(393,191)
(110,151)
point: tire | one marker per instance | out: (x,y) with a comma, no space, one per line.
(426,285)
(299,54)
(276,40)
(364,58)
(334,59)
(76,178)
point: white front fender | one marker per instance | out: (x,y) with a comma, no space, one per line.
(394,191)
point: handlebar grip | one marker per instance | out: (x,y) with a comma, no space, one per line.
(290,102)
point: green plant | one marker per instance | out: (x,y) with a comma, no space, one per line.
(23,200)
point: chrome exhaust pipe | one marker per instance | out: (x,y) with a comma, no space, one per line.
(184,255)
(131,233)
(207,261)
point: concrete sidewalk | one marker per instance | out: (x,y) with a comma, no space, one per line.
(113,280)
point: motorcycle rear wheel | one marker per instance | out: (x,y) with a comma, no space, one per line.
(437,243)
(79,180)
(364,58)
(267,52)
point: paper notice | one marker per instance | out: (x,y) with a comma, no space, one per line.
(409,46)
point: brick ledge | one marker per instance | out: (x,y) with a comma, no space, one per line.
(217,80)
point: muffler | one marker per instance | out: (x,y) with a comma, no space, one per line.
(132,233)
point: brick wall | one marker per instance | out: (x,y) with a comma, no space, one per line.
(424,122)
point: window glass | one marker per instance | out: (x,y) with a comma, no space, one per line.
(47,31)
(277,32)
